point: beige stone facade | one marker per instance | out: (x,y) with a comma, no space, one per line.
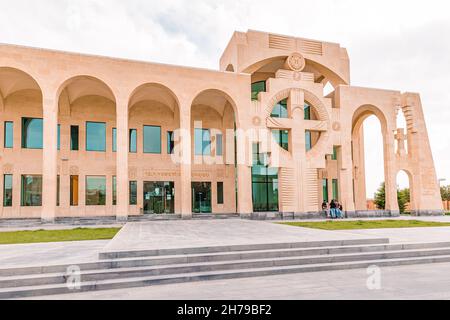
(69,89)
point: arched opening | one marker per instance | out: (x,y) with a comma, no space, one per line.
(401,140)
(154,116)
(21,124)
(405,194)
(214,120)
(368,156)
(87,146)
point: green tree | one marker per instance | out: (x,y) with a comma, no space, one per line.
(445,193)
(380,197)
(403,197)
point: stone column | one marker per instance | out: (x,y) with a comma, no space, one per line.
(184,190)
(49,164)
(122,180)
(390,173)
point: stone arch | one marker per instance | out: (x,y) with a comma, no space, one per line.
(217,93)
(17,80)
(153,91)
(83,80)
(412,203)
(359,171)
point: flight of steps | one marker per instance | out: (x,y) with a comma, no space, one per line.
(118,270)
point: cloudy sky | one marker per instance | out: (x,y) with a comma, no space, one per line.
(401,44)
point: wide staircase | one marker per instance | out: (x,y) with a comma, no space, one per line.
(128,269)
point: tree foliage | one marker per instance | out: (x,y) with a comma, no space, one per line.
(445,193)
(403,198)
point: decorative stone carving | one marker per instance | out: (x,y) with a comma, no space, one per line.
(336,126)
(74,170)
(296,62)
(8,169)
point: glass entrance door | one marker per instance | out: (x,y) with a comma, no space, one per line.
(201,197)
(159,198)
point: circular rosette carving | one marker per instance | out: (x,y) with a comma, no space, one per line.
(296,62)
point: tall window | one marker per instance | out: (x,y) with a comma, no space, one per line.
(282,138)
(133,193)
(74,138)
(58,142)
(152,139)
(325,190)
(32,133)
(307,110)
(133,141)
(74,191)
(258,87)
(114,139)
(7,190)
(114,190)
(202,141)
(31,191)
(280,110)
(58,187)
(95,190)
(220,193)
(335,189)
(9,135)
(170,142)
(308,140)
(264,184)
(334,156)
(219,145)
(96,136)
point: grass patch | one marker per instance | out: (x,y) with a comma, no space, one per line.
(447,214)
(369,224)
(45,236)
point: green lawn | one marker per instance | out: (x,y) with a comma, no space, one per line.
(369,224)
(41,236)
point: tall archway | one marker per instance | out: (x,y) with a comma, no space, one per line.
(405,190)
(21,124)
(87,147)
(213,117)
(368,151)
(154,116)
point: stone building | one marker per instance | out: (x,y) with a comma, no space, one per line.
(90,136)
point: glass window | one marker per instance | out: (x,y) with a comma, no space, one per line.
(96,136)
(95,190)
(32,133)
(264,185)
(307,111)
(31,191)
(219,192)
(280,110)
(335,189)
(202,142)
(308,140)
(282,138)
(325,190)
(201,197)
(9,135)
(170,142)
(74,138)
(334,156)
(7,190)
(74,191)
(133,193)
(258,87)
(114,139)
(152,139)
(219,145)
(114,190)
(59,137)
(58,186)
(133,140)
(159,197)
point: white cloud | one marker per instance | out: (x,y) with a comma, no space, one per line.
(392,44)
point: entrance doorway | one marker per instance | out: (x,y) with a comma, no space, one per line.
(159,198)
(201,197)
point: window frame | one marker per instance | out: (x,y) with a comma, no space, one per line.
(87,136)
(25,137)
(103,203)
(6,129)
(160,140)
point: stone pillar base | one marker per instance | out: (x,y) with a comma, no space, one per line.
(121,219)
(427,213)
